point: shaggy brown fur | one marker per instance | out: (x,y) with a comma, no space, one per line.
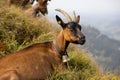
(34,62)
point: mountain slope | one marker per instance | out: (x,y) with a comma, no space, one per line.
(104,49)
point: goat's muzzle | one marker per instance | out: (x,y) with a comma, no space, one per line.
(81,41)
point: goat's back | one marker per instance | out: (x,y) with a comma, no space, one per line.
(36,61)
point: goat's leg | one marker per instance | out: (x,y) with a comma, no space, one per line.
(10,75)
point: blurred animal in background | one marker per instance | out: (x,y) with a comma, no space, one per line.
(37,6)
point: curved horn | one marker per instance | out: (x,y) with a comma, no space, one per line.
(76,18)
(65,14)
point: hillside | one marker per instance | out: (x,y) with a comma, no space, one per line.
(18,30)
(104,49)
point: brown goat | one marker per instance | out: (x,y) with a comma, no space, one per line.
(40,60)
(40,6)
(43,6)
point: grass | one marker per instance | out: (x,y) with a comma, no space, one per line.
(18,30)
(80,67)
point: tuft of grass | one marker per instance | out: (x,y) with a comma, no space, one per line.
(19,29)
(80,66)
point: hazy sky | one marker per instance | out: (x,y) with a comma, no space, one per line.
(93,12)
(87,6)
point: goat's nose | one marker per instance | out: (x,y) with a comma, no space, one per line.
(83,37)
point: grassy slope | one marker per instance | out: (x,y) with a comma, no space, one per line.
(18,30)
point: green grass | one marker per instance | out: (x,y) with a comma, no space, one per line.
(80,67)
(18,30)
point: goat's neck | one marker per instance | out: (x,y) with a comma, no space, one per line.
(61,42)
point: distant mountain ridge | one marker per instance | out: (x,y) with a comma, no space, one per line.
(107,24)
(104,49)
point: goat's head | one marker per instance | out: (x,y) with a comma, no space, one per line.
(44,3)
(40,6)
(71,30)
(31,1)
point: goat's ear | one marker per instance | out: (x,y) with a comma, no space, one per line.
(60,22)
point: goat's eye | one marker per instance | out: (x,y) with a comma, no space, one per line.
(71,30)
